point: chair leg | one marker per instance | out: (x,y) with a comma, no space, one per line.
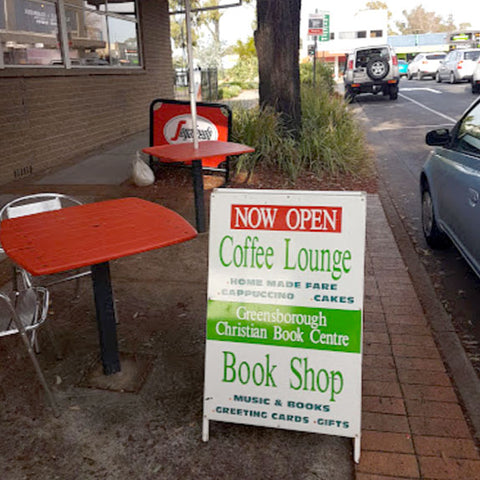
(36,365)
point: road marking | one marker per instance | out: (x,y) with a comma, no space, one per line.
(450,119)
(424,89)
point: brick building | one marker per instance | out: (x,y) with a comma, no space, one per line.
(77,74)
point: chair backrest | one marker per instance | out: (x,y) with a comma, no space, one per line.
(36,203)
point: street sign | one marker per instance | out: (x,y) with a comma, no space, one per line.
(284,316)
(319,26)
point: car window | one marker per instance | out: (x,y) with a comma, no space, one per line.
(468,136)
(438,56)
(472,55)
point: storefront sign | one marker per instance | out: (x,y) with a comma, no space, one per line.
(284,319)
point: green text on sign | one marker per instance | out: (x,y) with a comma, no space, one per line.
(285,326)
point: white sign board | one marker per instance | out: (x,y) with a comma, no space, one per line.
(284,319)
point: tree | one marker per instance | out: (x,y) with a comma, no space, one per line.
(418,20)
(277,40)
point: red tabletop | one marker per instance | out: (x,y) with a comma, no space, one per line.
(89,234)
(185,152)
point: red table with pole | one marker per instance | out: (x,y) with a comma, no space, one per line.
(188,154)
(92,234)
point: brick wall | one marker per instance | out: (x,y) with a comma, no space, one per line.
(50,117)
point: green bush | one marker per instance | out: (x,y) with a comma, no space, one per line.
(330,140)
(228,91)
(323,76)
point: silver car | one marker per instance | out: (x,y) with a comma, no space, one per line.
(450,187)
(458,65)
(425,65)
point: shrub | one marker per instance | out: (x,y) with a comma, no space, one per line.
(330,140)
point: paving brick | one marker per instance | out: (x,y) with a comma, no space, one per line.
(378,361)
(377,348)
(393,464)
(425,364)
(439,427)
(422,408)
(449,468)
(416,351)
(385,389)
(420,377)
(380,374)
(445,447)
(380,327)
(387,442)
(412,339)
(376,337)
(409,329)
(383,404)
(405,318)
(384,422)
(369,476)
(375,317)
(429,392)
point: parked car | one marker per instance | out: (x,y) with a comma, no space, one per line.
(476,78)
(372,69)
(458,65)
(425,65)
(450,187)
(402,68)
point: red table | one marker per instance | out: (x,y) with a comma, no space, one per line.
(92,234)
(187,154)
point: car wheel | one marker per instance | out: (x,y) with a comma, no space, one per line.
(409,76)
(419,75)
(438,78)
(393,92)
(377,68)
(433,235)
(475,87)
(452,77)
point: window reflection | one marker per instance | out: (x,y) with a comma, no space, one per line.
(32,32)
(98,33)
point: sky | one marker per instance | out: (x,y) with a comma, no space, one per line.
(236,22)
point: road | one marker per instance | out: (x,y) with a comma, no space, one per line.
(396,130)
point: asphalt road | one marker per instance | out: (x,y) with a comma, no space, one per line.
(396,130)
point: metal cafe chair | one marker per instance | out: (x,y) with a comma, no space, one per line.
(36,203)
(23,315)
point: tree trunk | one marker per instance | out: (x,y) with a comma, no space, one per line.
(277,40)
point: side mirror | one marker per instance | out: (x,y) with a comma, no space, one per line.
(438,138)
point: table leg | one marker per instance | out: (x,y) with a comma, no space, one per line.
(102,289)
(197,176)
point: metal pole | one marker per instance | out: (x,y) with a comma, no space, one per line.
(191,87)
(314,60)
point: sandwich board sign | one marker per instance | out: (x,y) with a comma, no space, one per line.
(284,315)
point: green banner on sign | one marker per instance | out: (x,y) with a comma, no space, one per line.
(286,326)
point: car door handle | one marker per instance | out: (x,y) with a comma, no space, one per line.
(473,197)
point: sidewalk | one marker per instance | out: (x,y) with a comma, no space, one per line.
(413,425)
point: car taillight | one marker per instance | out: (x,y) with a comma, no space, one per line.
(350,65)
(424,62)
(459,64)
(394,60)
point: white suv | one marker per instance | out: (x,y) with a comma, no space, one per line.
(425,65)
(458,65)
(372,69)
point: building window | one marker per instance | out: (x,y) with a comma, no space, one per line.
(376,33)
(332,36)
(362,34)
(96,34)
(347,35)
